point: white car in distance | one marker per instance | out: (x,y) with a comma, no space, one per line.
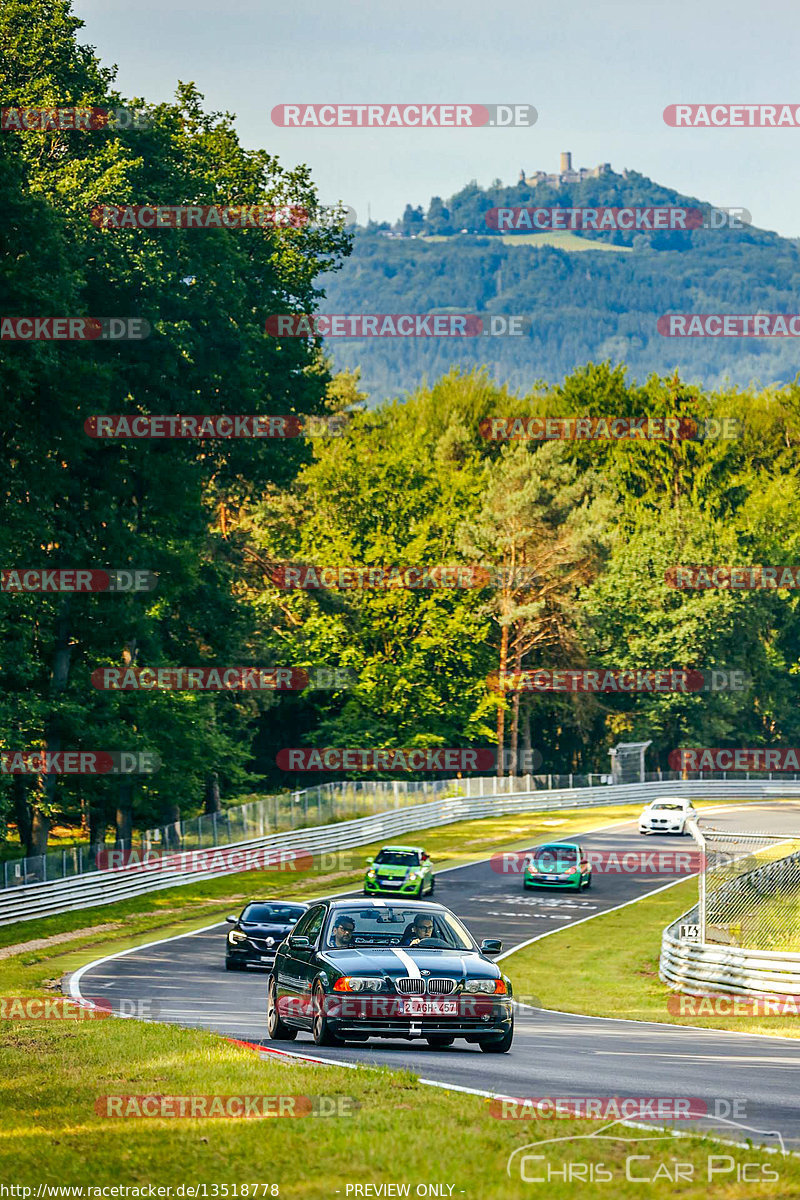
(667,815)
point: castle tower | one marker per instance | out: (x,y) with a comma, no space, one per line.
(566,161)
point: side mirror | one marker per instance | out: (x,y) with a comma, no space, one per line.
(370,860)
(425,857)
(300,943)
(231,920)
(491,946)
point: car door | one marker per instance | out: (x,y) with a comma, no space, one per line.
(427,872)
(297,968)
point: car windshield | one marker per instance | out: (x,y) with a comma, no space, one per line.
(396,926)
(551,858)
(278,914)
(667,807)
(397,858)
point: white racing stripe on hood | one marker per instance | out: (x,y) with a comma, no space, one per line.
(408,962)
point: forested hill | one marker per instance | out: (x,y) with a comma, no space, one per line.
(589,296)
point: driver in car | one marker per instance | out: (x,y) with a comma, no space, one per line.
(342,933)
(419,930)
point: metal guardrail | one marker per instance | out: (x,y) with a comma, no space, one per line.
(30,901)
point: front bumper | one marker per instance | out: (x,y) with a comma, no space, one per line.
(250,955)
(574,881)
(478,1017)
(380,887)
(649,827)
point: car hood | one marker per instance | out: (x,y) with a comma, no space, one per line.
(384,961)
(393,872)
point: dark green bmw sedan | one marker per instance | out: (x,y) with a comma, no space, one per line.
(357,969)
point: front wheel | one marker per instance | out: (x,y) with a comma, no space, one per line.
(439,1042)
(277,1030)
(320,1028)
(498,1045)
(433,886)
(588,883)
(231,965)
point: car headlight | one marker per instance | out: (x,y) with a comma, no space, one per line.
(494,987)
(371,874)
(357,983)
(236,936)
(412,875)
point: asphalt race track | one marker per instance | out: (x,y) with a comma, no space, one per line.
(554,1054)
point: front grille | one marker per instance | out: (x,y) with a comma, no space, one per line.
(410,987)
(261,945)
(441,987)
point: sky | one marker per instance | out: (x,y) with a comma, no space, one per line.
(598,73)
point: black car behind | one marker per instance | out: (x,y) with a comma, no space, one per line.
(256,934)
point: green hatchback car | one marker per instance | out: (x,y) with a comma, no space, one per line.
(557,865)
(399,870)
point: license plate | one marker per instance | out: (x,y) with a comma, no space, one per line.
(551,877)
(429,1008)
(267,957)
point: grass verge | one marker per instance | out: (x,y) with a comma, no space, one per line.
(52,1075)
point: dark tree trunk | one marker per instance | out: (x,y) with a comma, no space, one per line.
(124,819)
(212,799)
(22,812)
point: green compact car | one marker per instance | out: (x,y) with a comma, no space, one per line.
(399,871)
(557,865)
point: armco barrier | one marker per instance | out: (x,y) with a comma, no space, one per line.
(703,970)
(29,901)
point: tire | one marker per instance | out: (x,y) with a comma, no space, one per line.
(277,1031)
(320,1028)
(588,883)
(440,1041)
(433,886)
(231,965)
(500,1045)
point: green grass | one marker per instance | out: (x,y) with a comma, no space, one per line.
(561,239)
(52,1074)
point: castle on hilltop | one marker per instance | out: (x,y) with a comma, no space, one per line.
(567,174)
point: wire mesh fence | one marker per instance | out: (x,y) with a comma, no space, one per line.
(749,890)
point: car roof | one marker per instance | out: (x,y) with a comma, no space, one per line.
(559,846)
(283,902)
(670,800)
(407,849)
(368,902)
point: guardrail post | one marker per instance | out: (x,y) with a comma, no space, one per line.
(63,864)
(550,781)
(570,779)
(214,828)
(228,822)
(5,874)
(44,868)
